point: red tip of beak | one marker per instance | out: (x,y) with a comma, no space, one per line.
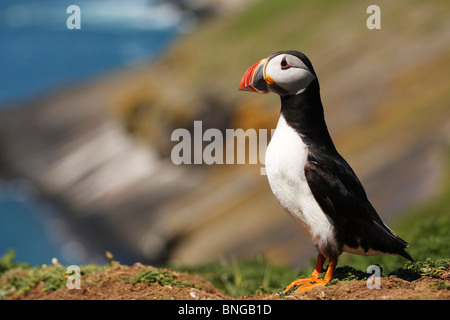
(247,81)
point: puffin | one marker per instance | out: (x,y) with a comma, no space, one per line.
(310,179)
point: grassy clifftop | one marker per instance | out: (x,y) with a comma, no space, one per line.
(255,279)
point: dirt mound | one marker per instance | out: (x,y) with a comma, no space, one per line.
(140,282)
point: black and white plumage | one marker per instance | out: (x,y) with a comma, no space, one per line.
(312,182)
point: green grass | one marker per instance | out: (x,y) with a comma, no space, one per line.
(21,278)
(240,276)
(429,268)
(7,261)
(163,278)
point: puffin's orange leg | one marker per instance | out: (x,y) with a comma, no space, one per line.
(328,277)
(314,276)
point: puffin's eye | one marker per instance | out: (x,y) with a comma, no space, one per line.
(285,64)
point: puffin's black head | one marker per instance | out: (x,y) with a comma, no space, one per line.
(285,73)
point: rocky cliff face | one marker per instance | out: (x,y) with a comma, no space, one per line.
(102,149)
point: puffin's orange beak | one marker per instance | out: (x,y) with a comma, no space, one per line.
(253,79)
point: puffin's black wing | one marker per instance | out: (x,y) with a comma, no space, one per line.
(344,200)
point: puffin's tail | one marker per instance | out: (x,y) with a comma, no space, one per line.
(392,242)
(401,245)
(405,254)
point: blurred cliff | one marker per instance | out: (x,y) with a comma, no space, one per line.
(101,149)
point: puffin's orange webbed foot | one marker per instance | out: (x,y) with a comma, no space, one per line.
(302,284)
(296,283)
(311,283)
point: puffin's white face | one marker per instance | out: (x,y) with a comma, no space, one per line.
(289,73)
(283,73)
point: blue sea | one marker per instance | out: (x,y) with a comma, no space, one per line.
(38,53)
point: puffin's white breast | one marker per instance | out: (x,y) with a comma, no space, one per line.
(286,156)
